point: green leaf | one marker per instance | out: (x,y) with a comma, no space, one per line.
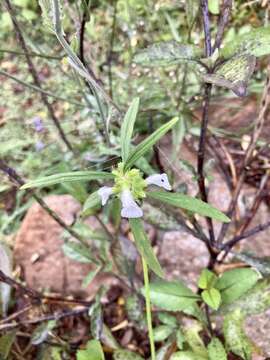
(68,177)
(234,283)
(255,42)
(188,203)
(167,53)
(235,337)
(186,355)
(125,355)
(47,14)
(194,340)
(29,14)
(135,311)
(213,6)
(234,74)
(144,246)
(148,143)
(162,332)
(6,342)
(93,351)
(207,279)
(255,301)
(172,296)
(42,331)
(127,128)
(96,316)
(178,134)
(167,319)
(90,277)
(216,350)
(212,298)
(180,339)
(78,252)
(92,202)
(108,339)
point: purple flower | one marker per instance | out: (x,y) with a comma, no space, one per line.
(39,146)
(38,124)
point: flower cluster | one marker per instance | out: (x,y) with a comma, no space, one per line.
(130,187)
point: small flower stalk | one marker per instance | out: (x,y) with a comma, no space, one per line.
(130,188)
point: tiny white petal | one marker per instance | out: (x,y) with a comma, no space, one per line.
(160,180)
(127,198)
(105,192)
(130,209)
(131,212)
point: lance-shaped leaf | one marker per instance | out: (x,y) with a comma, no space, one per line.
(234,74)
(78,252)
(255,42)
(6,342)
(188,203)
(167,53)
(172,296)
(144,246)
(234,283)
(147,144)
(235,337)
(68,177)
(127,128)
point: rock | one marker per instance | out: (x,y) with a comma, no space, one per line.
(183,256)
(38,250)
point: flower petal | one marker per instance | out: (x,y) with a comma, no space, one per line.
(105,192)
(130,208)
(132,212)
(160,180)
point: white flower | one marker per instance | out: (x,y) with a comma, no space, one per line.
(130,209)
(105,192)
(160,180)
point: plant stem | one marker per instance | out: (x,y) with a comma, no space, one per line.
(148,309)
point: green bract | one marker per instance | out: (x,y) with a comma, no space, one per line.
(131,180)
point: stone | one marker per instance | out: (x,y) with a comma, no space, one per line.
(38,250)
